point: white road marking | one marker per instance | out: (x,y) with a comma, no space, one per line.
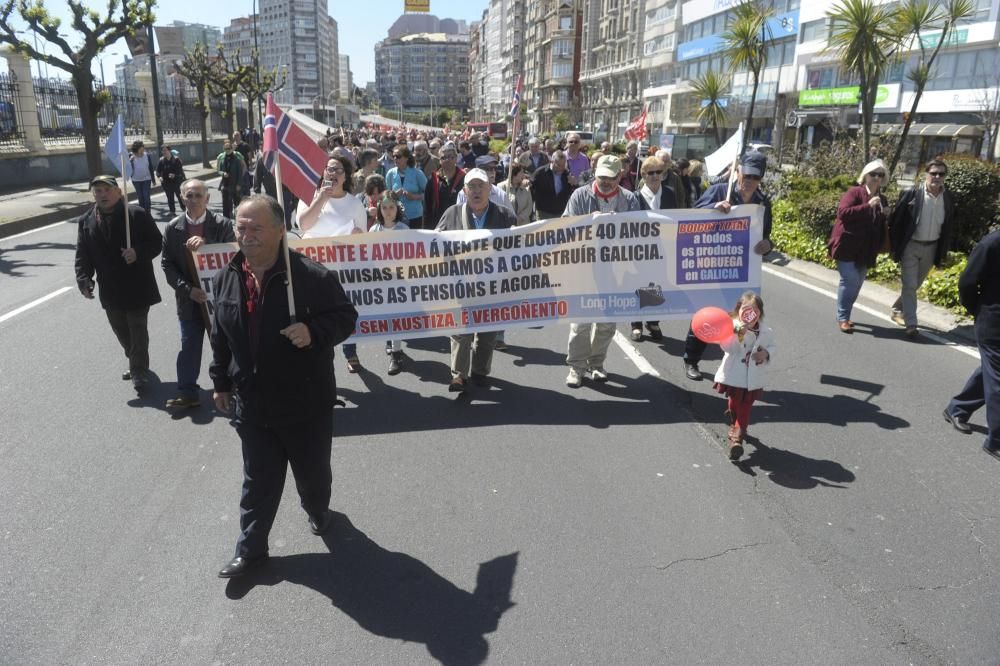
(37,301)
(635,355)
(965,349)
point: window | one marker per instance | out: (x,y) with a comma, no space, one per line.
(819,29)
(661,14)
(562,70)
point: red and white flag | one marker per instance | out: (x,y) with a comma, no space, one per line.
(302,161)
(636,131)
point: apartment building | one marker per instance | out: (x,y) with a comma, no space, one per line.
(553,39)
(423,69)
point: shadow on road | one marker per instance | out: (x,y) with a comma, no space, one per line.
(155,396)
(621,401)
(13,267)
(395,595)
(793,470)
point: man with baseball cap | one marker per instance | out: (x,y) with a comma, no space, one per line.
(488,165)
(472,353)
(588,343)
(747,191)
(123,263)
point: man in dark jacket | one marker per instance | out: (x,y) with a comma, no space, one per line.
(123,263)
(195,227)
(550,187)
(231,167)
(979,293)
(275,373)
(472,353)
(920,230)
(170,170)
(747,191)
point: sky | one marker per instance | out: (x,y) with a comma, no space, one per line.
(360,25)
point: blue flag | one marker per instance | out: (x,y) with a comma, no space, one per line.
(115,147)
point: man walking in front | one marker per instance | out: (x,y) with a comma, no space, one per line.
(185,234)
(588,343)
(124,270)
(920,234)
(275,376)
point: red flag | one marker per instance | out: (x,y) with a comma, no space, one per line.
(302,161)
(636,131)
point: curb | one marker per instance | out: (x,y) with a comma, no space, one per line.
(67,214)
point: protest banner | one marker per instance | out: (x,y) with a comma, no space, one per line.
(616,267)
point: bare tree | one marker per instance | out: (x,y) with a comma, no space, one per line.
(225,80)
(198,68)
(988,100)
(97,33)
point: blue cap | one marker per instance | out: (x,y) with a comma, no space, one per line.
(754,163)
(486,160)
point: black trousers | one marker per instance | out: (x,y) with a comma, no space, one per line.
(267,453)
(173,191)
(230,200)
(694,348)
(132,331)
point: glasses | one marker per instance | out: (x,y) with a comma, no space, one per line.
(936,174)
(877,174)
(334,170)
(654,173)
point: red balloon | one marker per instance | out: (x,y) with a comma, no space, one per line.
(713,325)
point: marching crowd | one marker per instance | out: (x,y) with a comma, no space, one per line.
(272,366)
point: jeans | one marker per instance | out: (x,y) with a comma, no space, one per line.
(852,277)
(142,188)
(189,357)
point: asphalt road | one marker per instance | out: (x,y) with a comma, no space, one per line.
(527,524)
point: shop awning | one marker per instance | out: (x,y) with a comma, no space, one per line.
(929,129)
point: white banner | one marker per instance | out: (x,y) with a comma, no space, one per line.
(619,267)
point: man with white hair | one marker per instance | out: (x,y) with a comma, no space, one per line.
(423,159)
(538,158)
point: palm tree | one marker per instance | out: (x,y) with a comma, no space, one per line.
(913,18)
(710,90)
(746,47)
(864,36)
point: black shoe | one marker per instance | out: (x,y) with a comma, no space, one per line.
(480,380)
(140,380)
(318,526)
(957,423)
(692,371)
(654,331)
(240,565)
(388,347)
(457,385)
(127,375)
(995,452)
(500,345)
(183,402)
(395,363)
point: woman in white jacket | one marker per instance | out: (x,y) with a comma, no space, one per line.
(743,373)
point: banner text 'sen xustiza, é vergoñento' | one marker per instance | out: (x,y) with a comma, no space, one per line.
(650,265)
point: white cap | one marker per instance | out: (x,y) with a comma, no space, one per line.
(476,174)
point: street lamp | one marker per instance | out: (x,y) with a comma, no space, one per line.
(431,96)
(332,92)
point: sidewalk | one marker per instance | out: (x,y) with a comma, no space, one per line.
(31,209)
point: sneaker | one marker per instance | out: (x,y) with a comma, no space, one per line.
(897,318)
(599,375)
(395,363)
(184,402)
(654,331)
(353,364)
(636,334)
(574,379)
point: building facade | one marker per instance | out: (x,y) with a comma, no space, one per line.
(422,70)
(496,57)
(553,39)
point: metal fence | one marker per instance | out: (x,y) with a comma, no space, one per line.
(11,133)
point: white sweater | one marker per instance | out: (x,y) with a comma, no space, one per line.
(737,368)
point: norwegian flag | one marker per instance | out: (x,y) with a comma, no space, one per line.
(302,160)
(515,103)
(636,131)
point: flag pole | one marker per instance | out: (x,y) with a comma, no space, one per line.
(128,222)
(732,168)
(280,192)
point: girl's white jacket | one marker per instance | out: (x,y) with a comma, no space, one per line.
(737,368)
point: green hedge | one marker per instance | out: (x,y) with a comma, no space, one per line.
(975,189)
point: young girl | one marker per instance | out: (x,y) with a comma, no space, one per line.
(743,372)
(390,217)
